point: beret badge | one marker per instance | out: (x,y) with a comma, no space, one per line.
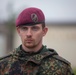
(34,17)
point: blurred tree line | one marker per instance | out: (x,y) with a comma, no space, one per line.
(10,24)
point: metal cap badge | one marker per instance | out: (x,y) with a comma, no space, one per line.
(34,17)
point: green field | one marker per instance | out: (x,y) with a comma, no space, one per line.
(74,71)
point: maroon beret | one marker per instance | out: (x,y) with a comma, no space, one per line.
(30,16)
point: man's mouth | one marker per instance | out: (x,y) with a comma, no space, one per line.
(29,40)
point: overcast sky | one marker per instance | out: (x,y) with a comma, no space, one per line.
(54,10)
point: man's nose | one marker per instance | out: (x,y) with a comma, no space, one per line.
(29,33)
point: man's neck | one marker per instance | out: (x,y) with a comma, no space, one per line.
(32,50)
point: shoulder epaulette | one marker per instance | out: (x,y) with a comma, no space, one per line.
(53,51)
(61,59)
(1,58)
(56,56)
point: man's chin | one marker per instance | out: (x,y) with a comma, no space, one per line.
(29,46)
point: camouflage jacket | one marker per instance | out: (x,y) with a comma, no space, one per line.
(44,62)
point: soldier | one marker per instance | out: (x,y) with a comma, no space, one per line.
(32,57)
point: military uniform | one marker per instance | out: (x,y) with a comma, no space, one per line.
(44,62)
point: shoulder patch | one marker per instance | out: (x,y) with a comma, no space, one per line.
(61,59)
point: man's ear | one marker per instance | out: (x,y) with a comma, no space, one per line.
(45,31)
(18,30)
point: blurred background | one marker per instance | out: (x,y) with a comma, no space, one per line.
(60,19)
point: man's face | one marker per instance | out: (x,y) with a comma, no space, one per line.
(31,36)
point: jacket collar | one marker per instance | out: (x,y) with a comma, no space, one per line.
(36,57)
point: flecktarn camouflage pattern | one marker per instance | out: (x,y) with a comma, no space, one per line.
(44,62)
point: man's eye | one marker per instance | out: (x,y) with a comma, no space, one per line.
(35,28)
(24,28)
